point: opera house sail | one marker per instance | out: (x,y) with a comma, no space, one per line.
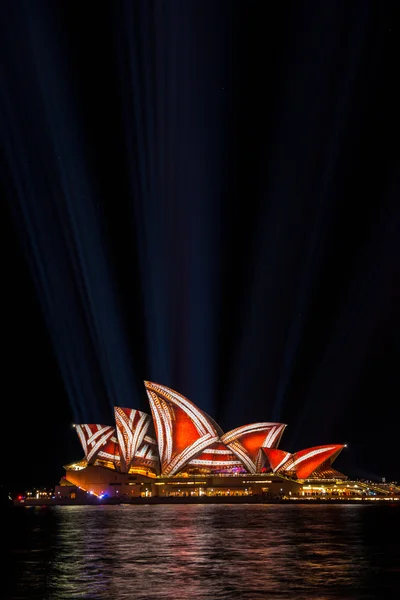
(178,443)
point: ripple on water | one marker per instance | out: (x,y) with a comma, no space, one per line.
(205,552)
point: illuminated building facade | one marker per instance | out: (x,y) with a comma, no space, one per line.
(180,450)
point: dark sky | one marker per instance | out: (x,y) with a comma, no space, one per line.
(206,195)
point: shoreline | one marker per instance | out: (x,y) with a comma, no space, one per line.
(206,500)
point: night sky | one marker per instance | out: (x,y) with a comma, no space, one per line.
(206,195)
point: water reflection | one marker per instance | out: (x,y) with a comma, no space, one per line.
(201,552)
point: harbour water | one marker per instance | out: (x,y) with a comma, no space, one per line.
(203,552)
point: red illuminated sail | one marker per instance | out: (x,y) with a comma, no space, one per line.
(246,442)
(183,431)
(134,429)
(276,458)
(93,439)
(302,464)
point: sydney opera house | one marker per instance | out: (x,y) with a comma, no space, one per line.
(179,450)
